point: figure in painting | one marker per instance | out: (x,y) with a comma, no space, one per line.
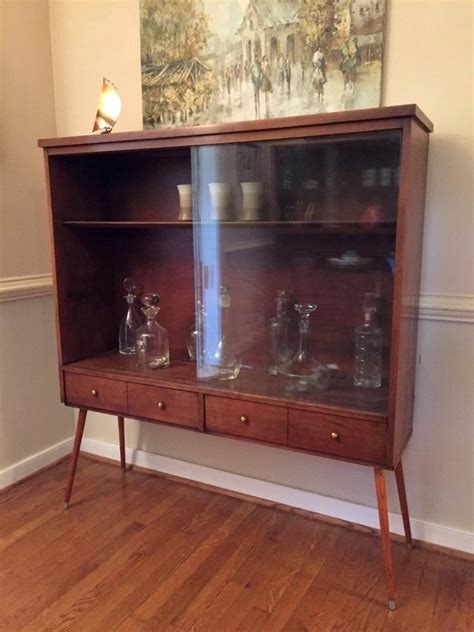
(288,75)
(281,73)
(266,84)
(319,74)
(256,76)
(348,65)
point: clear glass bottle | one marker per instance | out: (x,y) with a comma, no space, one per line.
(280,349)
(131,321)
(153,349)
(368,347)
(303,371)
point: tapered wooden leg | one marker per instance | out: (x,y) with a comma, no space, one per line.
(81,421)
(121,428)
(403,502)
(385,535)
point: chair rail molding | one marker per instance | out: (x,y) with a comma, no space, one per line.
(29,286)
(457,308)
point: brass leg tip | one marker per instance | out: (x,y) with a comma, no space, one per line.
(66,505)
(391,604)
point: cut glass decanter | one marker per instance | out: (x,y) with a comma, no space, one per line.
(153,348)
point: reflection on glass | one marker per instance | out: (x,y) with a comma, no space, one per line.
(315,216)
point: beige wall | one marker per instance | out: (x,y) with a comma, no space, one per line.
(429,48)
(31,418)
(26,106)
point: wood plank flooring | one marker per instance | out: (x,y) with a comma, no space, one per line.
(141,552)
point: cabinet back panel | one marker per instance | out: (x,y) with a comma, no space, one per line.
(85,282)
(162,262)
(95,262)
(119,187)
(144,188)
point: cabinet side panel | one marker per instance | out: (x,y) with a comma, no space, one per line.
(82,264)
(407,287)
(52,246)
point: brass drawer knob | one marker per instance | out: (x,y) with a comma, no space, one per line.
(161,405)
(94,392)
(335,436)
(244,419)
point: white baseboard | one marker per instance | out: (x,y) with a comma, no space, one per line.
(30,465)
(341,509)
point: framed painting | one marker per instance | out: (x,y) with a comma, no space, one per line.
(209,61)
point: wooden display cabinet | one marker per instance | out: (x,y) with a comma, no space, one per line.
(331,183)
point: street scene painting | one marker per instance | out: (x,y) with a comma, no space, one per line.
(211,61)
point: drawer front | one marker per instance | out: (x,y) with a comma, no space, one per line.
(262,422)
(88,391)
(340,436)
(164,404)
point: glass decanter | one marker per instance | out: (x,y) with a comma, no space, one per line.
(153,348)
(303,371)
(223,363)
(368,347)
(280,349)
(131,320)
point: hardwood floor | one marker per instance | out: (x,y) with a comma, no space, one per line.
(141,552)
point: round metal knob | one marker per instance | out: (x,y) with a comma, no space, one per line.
(161,405)
(94,392)
(335,435)
(244,419)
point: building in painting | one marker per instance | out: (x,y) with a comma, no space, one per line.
(367,21)
(174,89)
(270,27)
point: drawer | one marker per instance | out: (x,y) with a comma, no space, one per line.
(262,422)
(340,436)
(164,404)
(88,391)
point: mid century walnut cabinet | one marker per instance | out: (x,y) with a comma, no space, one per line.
(332,183)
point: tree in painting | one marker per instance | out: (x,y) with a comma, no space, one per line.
(172,30)
(207,61)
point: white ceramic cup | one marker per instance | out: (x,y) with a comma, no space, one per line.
(251,200)
(220,200)
(185,202)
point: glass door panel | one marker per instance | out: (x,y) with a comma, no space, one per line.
(284,224)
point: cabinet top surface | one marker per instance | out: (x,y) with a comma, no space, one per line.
(329,118)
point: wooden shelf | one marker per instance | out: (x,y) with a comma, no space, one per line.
(122,224)
(287,226)
(255,385)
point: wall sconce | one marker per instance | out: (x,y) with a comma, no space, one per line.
(109,108)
